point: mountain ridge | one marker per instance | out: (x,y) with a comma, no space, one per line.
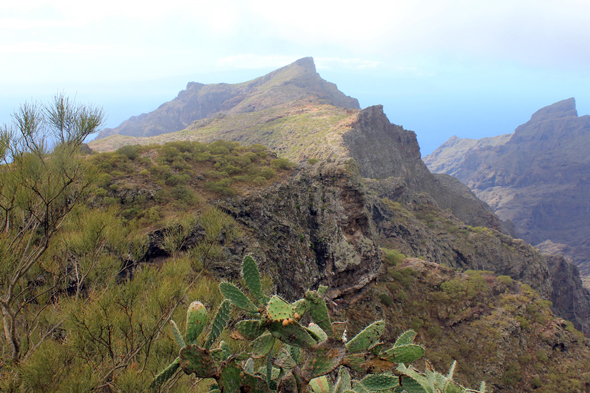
(295,82)
(536,177)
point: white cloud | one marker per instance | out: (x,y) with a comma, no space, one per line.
(352,63)
(44,47)
(23,24)
(250,61)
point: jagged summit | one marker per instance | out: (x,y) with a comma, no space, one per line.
(564,108)
(536,177)
(295,82)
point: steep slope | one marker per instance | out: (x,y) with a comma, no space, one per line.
(387,151)
(536,177)
(296,82)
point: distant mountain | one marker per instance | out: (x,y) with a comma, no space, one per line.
(538,177)
(296,82)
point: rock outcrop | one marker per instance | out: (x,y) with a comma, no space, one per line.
(387,151)
(537,177)
(568,294)
(314,229)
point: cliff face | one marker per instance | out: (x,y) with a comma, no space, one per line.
(536,177)
(387,151)
(314,229)
(569,295)
(295,82)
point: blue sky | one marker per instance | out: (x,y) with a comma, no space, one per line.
(469,68)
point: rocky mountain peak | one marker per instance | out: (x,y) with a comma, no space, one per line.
(293,83)
(306,63)
(564,108)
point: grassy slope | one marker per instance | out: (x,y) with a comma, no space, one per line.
(297,131)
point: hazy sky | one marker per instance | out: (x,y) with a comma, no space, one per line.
(469,68)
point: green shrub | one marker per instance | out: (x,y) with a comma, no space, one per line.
(506,280)
(392,257)
(222,187)
(524,323)
(174,180)
(282,163)
(104,180)
(542,356)
(129,151)
(524,359)
(386,299)
(203,156)
(416,323)
(512,374)
(455,288)
(267,173)
(184,194)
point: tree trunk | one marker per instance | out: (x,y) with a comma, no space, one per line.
(9,320)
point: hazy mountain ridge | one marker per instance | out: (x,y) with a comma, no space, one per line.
(537,177)
(295,82)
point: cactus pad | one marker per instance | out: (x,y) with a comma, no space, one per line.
(198,361)
(358,387)
(376,348)
(230,378)
(316,306)
(278,310)
(254,383)
(248,330)
(405,338)
(219,323)
(299,307)
(288,384)
(225,349)
(166,374)
(343,381)
(249,366)
(295,353)
(284,360)
(262,345)
(369,336)
(292,334)
(404,353)
(327,356)
(320,385)
(380,381)
(252,277)
(410,385)
(237,297)
(317,333)
(177,335)
(196,318)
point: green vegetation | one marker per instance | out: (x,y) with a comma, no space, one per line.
(179,176)
(40,186)
(392,257)
(291,357)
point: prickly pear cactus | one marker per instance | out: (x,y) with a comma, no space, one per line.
(291,357)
